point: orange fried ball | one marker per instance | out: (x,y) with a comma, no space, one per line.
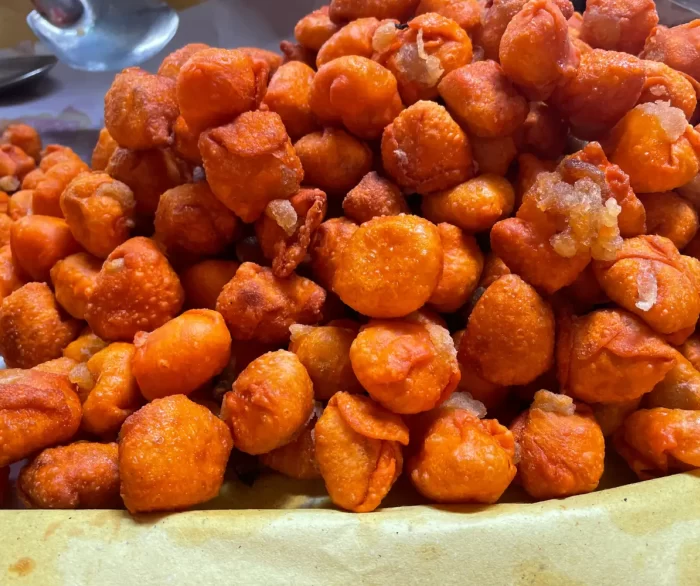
(24,137)
(482,99)
(172,454)
(493,155)
(358,449)
(424,149)
(603,77)
(99,211)
(216,85)
(46,197)
(288,95)
(475,205)
(460,458)
(263,58)
(671,216)
(10,277)
(680,388)
(186,142)
(83,475)
(347,10)
(656,147)
(181,355)
(404,365)
(678,47)
(510,333)
(375,280)
(372,197)
(136,290)
(140,109)
(203,282)
(32,329)
(356,92)
(652,280)
(657,442)
(326,248)
(668,85)
(315,28)
(325,353)
(543,133)
(420,53)
(355,38)
(609,356)
(103,151)
(284,231)
(333,160)
(189,219)
(259,306)
(691,350)
(173,62)
(561,446)
(271,401)
(73,280)
(618,25)
(15,162)
(84,346)
(536,52)
(466,13)
(251,162)
(37,410)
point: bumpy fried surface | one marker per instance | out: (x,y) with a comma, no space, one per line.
(680,388)
(326,248)
(346,10)
(25,137)
(678,47)
(314,29)
(103,151)
(73,280)
(466,13)
(618,25)
(355,38)
(668,85)
(374,196)
(203,282)
(84,346)
(173,62)
(670,216)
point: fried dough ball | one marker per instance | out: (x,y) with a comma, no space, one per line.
(475,205)
(609,356)
(670,216)
(172,454)
(284,231)
(356,92)
(37,410)
(424,150)
(358,449)
(83,475)
(333,160)
(460,458)
(15,162)
(656,147)
(148,174)
(99,211)
(251,162)
(181,355)
(561,446)
(84,346)
(263,57)
(38,242)
(421,53)
(314,29)
(657,442)
(103,151)
(214,86)
(25,137)
(10,277)
(136,290)
(481,98)
(326,248)
(20,204)
(493,156)
(678,47)
(618,25)
(46,197)
(494,268)
(691,350)
(466,13)
(140,109)
(462,264)
(355,38)
(376,281)
(510,334)
(668,85)
(543,133)
(649,278)
(536,52)
(288,95)
(173,62)
(186,142)
(259,306)
(603,77)
(680,388)
(347,10)
(271,401)
(203,282)
(372,197)
(73,281)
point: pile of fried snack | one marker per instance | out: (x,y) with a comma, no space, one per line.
(448,239)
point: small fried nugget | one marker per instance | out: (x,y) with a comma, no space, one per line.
(680,388)
(327,245)
(99,211)
(529,168)
(62,366)
(466,13)
(103,151)
(11,278)
(494,268)
(424,150)
(203,282)
(376,281)
(671,216)
(37,410)
(172,455)
(668,85)
(346,10)
(493,156)
(288,95)
(543,133)
(25,137)
(678,47)
(284,231)
(691,350)
(618,25)
(136,290)
(358,449)
(314,29)
(510,333)
(46,198)
(181,355)
(83,475)
(73,280)
(84,346)
(609,356)
(259,306)
(270,403)
(263,57)
(355,38)
(173,62)
(251,162)
(20,204)
(481,98)
(140,109)
(561,447)
(186,142)
(372,197)
(15,162)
